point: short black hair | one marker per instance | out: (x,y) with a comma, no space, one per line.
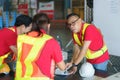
(72,14)
(23,20)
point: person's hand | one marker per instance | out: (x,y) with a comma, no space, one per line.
(68,65)
(14,57)
(72,69)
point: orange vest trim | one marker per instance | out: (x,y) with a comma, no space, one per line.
(26,68)
(90,54)
(11,28)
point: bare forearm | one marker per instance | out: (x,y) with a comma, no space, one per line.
(82,52)
(61,65)
(80,57)
(75,53)
(14,49)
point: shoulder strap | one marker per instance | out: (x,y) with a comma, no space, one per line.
(83,32)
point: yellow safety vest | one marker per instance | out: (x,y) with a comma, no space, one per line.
(3,57)
(28,52)
(90,54)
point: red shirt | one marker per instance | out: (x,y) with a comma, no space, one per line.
(94,35)
(51,51)
(8,38)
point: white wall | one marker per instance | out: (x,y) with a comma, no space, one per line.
(106,16)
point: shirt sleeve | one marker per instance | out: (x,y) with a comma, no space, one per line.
(93,34)
(11,39)
(56,51)
(90,33)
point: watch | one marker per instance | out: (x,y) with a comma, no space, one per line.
(74,65)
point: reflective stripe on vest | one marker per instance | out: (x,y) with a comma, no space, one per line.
(3,57)
(26,68)
(11,28)
(90,54)
(76,37)
(94,54)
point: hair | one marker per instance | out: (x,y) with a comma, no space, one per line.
(23,20)
(72,14)
(40,21)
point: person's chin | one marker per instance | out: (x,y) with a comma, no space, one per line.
(74,31)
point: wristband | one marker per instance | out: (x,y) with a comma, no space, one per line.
(74,65)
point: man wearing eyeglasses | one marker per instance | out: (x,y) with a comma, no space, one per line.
(88,42)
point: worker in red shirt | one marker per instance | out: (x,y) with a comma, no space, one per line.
(38,52)
(88,42)
(8,40)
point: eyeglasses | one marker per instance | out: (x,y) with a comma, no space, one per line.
(73,23)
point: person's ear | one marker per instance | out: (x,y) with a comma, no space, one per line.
(80,19)
(23,28)
(48,30)
(48,25)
